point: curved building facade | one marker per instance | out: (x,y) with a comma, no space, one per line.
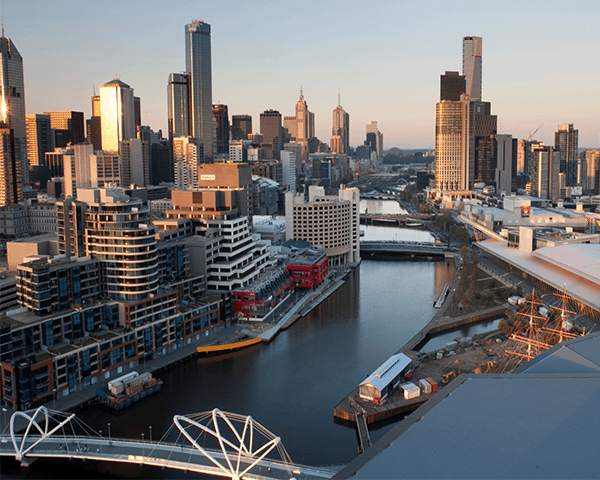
(119,234)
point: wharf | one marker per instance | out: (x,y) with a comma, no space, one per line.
(223,335)
(88,395)
(395,405)
(304,306)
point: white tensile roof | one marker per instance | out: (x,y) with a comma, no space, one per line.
(574,268)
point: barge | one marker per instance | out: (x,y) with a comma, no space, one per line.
(128,389)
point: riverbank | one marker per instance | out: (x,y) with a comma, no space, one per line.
(226,333)
(300,309)
(395,404)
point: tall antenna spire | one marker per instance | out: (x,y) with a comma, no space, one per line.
(339,101)
(301,93)
(2,26)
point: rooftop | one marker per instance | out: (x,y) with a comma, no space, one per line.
(494,426)
(538,422)
(574,268)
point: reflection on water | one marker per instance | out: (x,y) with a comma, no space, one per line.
(389,207)
(374,233)
(292,384)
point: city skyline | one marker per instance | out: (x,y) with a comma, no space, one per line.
(387,71)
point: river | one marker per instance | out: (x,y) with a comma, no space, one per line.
(291,385)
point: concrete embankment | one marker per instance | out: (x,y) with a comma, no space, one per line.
(304,306)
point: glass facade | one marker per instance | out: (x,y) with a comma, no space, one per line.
(199,68)
(118,114)
(178,105)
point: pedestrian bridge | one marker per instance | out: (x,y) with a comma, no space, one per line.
(411,249)
(212,443)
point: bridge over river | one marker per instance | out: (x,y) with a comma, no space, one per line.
(213,443)
(395,219)
(405,249)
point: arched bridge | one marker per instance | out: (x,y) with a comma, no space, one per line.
(213,443)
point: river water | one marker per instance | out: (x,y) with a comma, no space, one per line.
(292,384)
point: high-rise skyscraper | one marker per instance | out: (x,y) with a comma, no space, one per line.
(221,116)
(288,163)
(71,121)
(187,157)
(13,107)
(592,162)
(504,158)
(11,179)
(302,124)
(452,86)
(471,66)
(375,139)
(94,124)
(341,130)
(241,127)
(484,126)
(272,130)
(453,155)
(545,166)
(198,67)
(135,162)
(117,114)
(565,141)
(39,138)
(178,105)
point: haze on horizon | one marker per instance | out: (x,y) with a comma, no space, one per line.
(540,65)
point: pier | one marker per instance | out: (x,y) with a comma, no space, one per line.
(363,431)
(354,409)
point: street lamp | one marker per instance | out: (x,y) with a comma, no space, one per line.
(108,432)
(4,410)
(150,428)
(143,447)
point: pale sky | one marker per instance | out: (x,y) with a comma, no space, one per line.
(541,59)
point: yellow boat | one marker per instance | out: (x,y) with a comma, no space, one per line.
(227,347)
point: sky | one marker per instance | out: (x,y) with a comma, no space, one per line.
(541,60)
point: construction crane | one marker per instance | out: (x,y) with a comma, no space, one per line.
(534,132)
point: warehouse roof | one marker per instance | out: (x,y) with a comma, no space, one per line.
(389,370)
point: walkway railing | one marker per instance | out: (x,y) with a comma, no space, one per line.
(240,445)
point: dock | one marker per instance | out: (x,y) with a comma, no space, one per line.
(356,410)
(440,301)
(372,412)
(363,431)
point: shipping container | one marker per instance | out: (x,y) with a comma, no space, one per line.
(425,386)
(434,385)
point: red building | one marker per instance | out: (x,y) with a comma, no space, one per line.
(260,297)
(309,269)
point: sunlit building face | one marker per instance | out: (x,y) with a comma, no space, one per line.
(118,114)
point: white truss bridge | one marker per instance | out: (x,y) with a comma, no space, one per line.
(214,443)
